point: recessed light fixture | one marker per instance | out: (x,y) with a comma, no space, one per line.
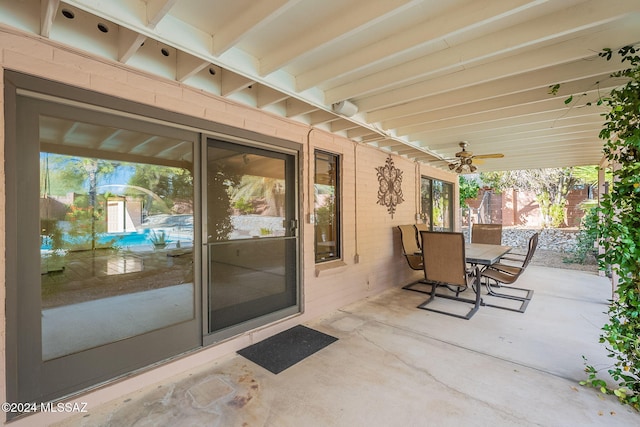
(212,71)
(103,28)
(164,51)
(68,14)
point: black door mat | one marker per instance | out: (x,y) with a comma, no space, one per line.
(287,348)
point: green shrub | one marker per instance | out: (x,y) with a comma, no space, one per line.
(586,237)
(619,231)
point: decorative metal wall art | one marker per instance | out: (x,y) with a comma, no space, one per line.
(390,191)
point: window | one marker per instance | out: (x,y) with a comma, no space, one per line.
(437,204)
(327,206)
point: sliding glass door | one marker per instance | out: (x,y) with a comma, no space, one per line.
(104,238)
(251,236)
(132,240)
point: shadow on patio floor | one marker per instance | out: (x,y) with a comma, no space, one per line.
(396,365)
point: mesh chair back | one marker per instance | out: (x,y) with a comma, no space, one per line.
(533,244)
(410,246)
(487,233)
(420,227)
(444,258)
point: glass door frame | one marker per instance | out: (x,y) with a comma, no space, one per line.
(29,377)
(279,147)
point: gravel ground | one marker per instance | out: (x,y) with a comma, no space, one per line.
(556,259)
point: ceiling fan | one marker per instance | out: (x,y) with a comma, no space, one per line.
(464,159)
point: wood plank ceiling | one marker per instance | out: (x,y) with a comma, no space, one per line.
(413,77)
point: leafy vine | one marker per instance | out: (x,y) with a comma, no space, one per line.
(618,229)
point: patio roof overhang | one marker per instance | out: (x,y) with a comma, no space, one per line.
(409,77)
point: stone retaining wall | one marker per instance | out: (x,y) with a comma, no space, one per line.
(553,239)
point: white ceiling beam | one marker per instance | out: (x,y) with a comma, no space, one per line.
(373,139)
(532,137)
(320,117)
(129,42)
(141,148)
(582,156)
(69,131)
(424,122)
(269,96)
(334,29)
(551,119)
(472,134)
(232,82)
(534,98)
(259,15)
(389,144)
(109,140)
(343,125)
(296,107)
(552,142)
(567,51)
(407,150)
(515,114)
(360,133)
(48,10)
(157,10)
(188,66)
(590,70)
(435,29)
(522,37)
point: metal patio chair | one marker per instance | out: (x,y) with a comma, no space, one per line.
(500,275)
(445,266)
(420,227)
(410,250)
(486,233)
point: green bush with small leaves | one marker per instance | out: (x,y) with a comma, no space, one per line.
(619,230)
(586,237)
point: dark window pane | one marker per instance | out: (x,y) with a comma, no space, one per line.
(327,207)
(437,204)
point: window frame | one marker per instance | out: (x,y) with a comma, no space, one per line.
(427,217)
(337,211)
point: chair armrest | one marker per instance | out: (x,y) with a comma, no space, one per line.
(516,254)
(511,269)
(510,257)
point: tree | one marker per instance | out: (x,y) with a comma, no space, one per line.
(551,187)
(267,191)
(173,185)
(468,190)
(619,231)
(61,174)
(220,184)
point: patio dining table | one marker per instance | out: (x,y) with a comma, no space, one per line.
(484,254)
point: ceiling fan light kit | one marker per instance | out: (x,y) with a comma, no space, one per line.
(464,159)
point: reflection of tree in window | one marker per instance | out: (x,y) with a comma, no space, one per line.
(259,195)
(220,184)
(437,204)
(62,175)
(173,185)
(326,207)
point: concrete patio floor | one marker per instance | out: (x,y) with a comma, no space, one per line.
(396,365)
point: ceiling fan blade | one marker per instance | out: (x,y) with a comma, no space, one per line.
(489,156)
